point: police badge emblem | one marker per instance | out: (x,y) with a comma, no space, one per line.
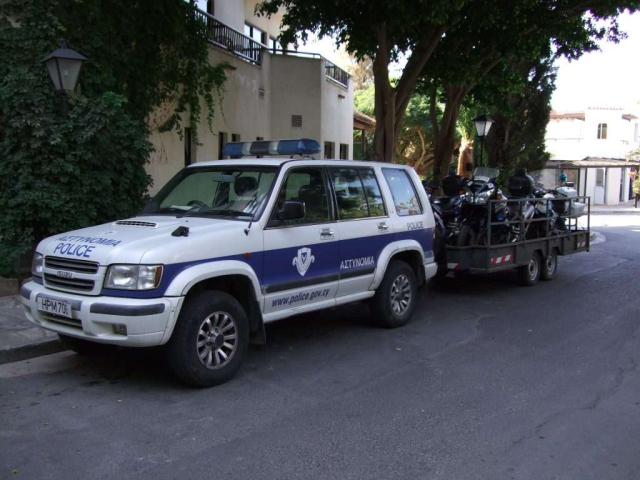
(304,260)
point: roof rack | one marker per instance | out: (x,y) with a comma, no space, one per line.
(297,146)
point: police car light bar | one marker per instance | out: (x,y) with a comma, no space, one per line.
(299,146)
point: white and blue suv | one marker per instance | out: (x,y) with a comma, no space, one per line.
(227,246)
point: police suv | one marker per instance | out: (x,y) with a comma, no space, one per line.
(227,246)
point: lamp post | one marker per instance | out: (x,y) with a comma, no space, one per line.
(64,66)
(483,124)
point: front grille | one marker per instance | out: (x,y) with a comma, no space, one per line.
(69,283)
(69,322)
(133,223)
(80,266)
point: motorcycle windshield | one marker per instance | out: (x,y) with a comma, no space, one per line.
(485,174)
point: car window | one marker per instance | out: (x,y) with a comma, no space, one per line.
(306,185)
(372,192)
(352,202)
(404,194)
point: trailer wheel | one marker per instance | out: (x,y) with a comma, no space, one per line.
(549,266)
(528,275)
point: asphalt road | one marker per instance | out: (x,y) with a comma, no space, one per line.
(490,381)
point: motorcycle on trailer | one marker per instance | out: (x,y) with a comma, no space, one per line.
(478,200)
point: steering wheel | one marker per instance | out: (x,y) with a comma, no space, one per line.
(198,203)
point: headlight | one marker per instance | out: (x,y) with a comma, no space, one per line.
(133,277)
(37,265)
(481,198)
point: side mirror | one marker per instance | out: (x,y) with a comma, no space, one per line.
(436,170)
(468,167)
(291,210)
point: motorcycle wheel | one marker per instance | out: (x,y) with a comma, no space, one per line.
(464,237)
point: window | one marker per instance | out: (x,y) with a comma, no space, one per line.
(600,177)
(274,45)
(328,150)
(357,193)
(372,191)
(306,185)
(404,194)
(296,121)
(254,32)
(344,151)
(602,131)
(352,202)
(187,147)
(222,141)
(229,192)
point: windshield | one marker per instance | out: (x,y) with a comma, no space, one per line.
(210,191)
(484,174)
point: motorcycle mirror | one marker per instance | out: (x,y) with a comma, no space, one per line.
(469,167)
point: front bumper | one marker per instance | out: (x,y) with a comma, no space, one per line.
(149,322)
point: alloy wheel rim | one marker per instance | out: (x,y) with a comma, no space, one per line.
(533,269)
(400,295)
(217,340)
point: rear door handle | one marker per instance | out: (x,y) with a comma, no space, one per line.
(383,227)
(326,234)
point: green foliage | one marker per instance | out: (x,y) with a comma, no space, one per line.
(415,144)
(59,174)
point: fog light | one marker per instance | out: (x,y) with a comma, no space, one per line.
(120,329)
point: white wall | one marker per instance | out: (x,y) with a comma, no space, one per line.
(297,90)
(612,192)
(337,116)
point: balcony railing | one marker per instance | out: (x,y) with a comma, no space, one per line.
(227,38)
(230,39)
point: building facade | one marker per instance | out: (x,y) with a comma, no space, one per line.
(269,94)
(591,147)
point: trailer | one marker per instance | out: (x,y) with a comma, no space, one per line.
(534,258)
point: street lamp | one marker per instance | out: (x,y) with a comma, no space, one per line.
(64,65)
(483,124)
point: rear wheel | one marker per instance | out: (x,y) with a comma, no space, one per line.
(549,266)
(395,298)
(464,236)
(85,347)
(528,275)
(210,339)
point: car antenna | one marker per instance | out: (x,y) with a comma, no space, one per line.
(246,230)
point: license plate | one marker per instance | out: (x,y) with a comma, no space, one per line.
(55,306)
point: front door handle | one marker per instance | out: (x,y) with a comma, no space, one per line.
(383,227)
(326,234)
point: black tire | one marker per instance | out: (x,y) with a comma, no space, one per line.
(549,266)
(193,337)
(464,237)
(399,282)
(528,275)
(85,347)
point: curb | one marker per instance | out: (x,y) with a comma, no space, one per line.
(26,352)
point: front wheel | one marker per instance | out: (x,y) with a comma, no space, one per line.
(549,266)
(528,275)
(210,340)
(395,298)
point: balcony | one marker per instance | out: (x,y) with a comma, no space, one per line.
(246,48)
